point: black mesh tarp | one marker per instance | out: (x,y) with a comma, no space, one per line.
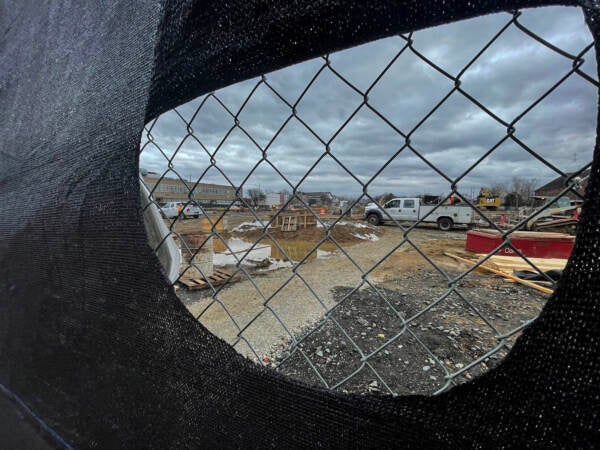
(93,338)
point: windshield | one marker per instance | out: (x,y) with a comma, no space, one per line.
(561,202)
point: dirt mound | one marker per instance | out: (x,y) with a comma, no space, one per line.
(343,233)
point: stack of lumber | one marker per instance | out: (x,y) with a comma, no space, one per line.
(486,266)
(511,263)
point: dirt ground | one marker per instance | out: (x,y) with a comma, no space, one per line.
(343,233)
(232,225)
(402,332)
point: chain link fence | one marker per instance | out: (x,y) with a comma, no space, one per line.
(311,288)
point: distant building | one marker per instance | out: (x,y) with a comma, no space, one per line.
(556,186)
(318,198)
(276,199)
(175,190)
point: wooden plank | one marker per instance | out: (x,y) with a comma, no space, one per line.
(523,263)
(216,280)
(230,277)
(551,261)
(290,223)
(518,263)
(511,268)
(187,282)
(502,274)
(216,275)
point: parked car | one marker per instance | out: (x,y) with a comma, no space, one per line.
(171,210)
(411,209)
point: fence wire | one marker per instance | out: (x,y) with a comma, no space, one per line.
(367,336)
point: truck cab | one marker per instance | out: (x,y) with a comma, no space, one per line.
(410,209)
(401,209)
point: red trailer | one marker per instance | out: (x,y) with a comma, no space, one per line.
(530,243)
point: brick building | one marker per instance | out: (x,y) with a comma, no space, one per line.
(175,190)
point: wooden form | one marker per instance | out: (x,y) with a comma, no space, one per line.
(292,221)
(217,278)
(530,284)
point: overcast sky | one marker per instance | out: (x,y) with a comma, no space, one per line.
(507,78)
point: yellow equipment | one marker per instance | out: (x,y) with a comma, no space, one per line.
(487,200)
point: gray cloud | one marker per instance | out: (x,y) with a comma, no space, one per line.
(507,78)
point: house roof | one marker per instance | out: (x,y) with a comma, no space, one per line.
(319,194)
(559,183)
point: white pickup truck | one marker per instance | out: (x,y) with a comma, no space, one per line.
(171,210)
(407,209)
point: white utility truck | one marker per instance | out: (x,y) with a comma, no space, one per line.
(410,209)
(171,210)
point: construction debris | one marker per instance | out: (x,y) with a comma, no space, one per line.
(217,278)
(501,273)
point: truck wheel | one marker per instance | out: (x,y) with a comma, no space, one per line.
(373,219)
(445,223)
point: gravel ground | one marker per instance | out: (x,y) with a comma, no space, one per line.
(412,359)
(441,341)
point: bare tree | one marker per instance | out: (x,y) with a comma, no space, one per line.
(520,192)
(325,199)
(385,198)
(256,195)
(499,189)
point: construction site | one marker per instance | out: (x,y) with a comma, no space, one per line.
(322,224)
(355,243)
(313,294)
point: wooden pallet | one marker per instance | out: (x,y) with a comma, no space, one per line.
(217,278)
